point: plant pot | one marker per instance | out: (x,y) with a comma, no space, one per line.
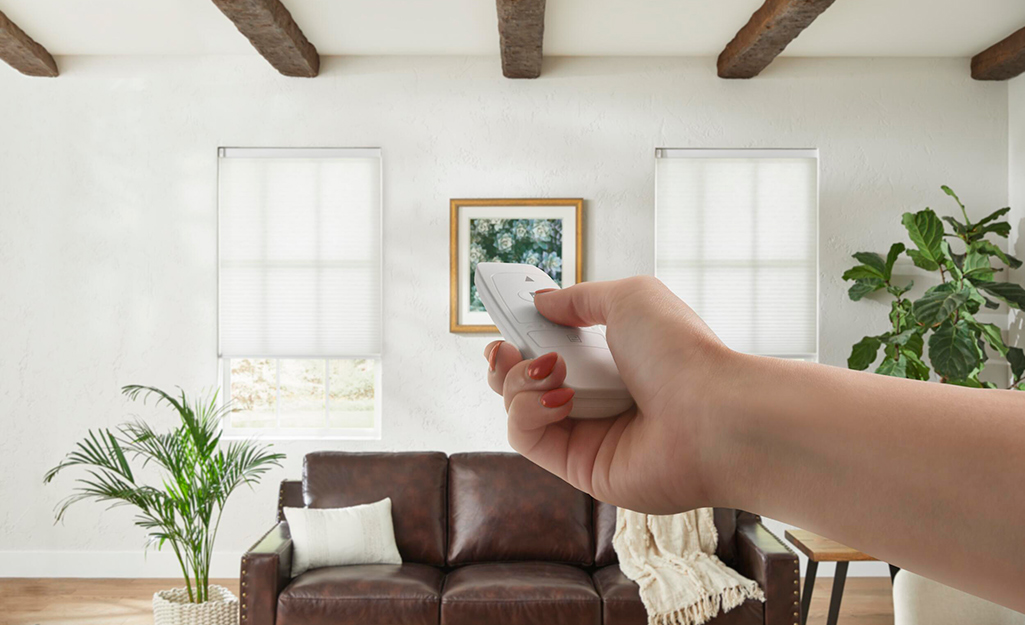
(172,607)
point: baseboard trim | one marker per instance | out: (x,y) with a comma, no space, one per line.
(108,564)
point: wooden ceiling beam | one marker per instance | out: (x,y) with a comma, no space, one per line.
(1002,60)
(270,28)
(770,29)
(521,31)
(22,52)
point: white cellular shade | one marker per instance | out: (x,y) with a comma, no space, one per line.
(736,238)
(300,253)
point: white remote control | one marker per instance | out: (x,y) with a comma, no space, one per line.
(507,291)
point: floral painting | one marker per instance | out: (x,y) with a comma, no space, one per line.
(545,233)
(535,242)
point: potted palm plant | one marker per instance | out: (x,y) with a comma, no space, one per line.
(182,509)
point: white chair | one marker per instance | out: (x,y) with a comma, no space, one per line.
(921,601)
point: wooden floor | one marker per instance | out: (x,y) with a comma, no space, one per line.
(866,601)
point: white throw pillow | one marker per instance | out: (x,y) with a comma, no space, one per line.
(338,536)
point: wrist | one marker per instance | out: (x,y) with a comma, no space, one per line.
(734,409)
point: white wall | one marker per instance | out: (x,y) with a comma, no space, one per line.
(1016,189)
(107,213)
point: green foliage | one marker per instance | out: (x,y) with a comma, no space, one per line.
(197,475)
(944,315)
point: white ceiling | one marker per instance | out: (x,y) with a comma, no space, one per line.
(573,27)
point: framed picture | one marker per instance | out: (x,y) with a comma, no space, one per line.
(544,233)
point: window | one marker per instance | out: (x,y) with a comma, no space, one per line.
(300,291)
(737,239)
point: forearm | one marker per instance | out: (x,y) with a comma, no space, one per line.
(926,476)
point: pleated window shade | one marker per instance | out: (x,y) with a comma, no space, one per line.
(300,253)
(737,239)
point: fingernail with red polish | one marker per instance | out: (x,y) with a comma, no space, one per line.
(540,291)
(493,357)
(557,397)
(542,366)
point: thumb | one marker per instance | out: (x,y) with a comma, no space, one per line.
(581,305)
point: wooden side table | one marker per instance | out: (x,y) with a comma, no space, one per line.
(821,549)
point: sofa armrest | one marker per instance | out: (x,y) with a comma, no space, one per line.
(764,558)
(266,570)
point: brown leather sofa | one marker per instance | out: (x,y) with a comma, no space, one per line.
(486,539)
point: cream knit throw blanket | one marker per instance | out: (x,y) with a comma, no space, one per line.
(672,558)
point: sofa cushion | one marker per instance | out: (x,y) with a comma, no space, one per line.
(415,482)
(621,602)
(605,528)
(502,507)
(363,594)
(512,593)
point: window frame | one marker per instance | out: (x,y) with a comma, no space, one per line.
(758,153)
(279,433)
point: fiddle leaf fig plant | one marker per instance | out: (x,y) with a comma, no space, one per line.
(944,317)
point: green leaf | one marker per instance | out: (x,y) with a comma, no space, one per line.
(926,232)
(915,344)
(862,272)
(1016,358)
(953,350)
(891,258)
(995,214)
(863,287)
(977,265)
(991,334)
(951,193)
(897,291)
(1000,228)
(937,304)
(899,339)
(916,369)
(975,299)
(900,315)
(1009,292)
(951,261)
(896,368)
(873,260)
(985,247)
(863,353)
(923,261)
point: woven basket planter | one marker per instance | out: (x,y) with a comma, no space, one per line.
(172,607)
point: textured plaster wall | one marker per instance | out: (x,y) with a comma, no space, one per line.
(1016,188)
(107,225)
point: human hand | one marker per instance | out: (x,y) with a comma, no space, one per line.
(655,456)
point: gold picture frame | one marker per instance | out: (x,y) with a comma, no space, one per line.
(466,314)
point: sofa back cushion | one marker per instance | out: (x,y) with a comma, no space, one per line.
(605,528)
(502,507)
(415,482)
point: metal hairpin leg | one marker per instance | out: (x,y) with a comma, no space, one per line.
(834,600)
(809,585)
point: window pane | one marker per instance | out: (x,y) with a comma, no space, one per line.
(351,401)
(292,394)
(300,252)
(301,397)
(737,240)
(253,393)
